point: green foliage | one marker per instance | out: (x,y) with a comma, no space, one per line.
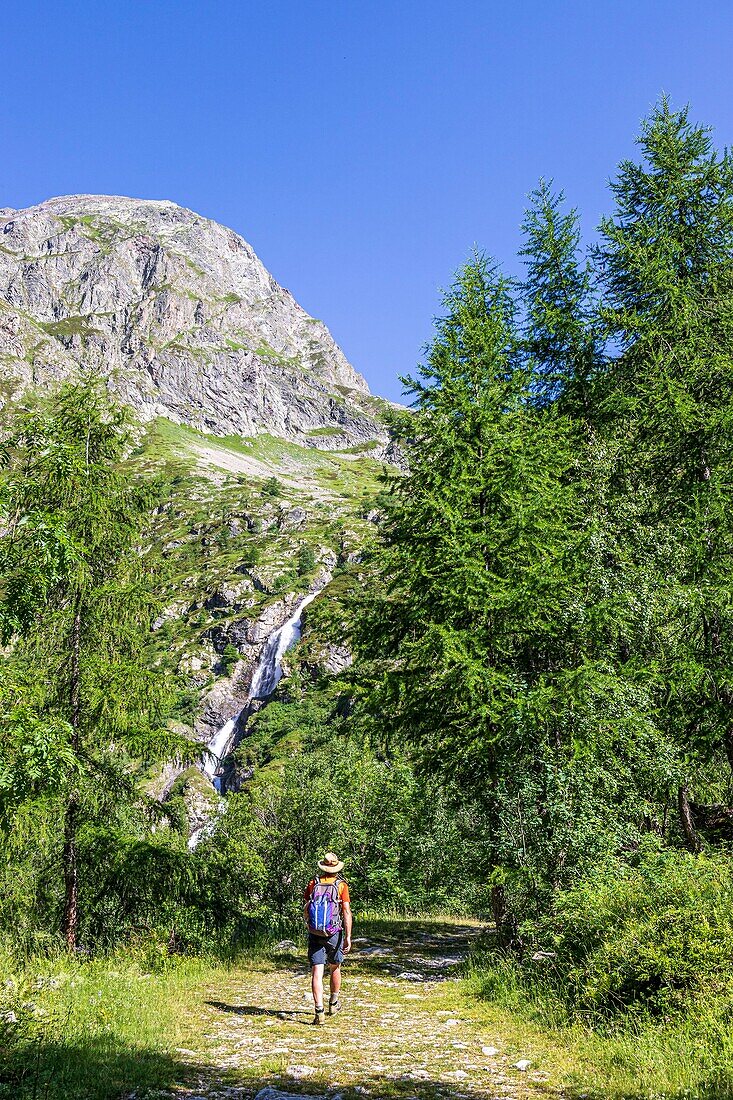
(547,621)
(560,325)
(653,937)
(666,264)
(153,883)
(477,537)
(306,560)
(76,604)
(229,658)
(657,936)
(272,488)
(396,834)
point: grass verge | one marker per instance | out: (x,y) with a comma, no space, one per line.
(633,1058)
(96,1029)
(139,1021)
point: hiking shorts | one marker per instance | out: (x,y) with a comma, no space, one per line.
(322,950)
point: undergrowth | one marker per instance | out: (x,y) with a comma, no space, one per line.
(631,971)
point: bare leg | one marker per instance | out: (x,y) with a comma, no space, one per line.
(317,984)
(335,972)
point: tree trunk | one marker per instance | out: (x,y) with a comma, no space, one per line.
(498,908)
(686,820)
(70,861)
(506,926)
(71,875)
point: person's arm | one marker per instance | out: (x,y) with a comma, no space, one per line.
(348,922)
(306,903)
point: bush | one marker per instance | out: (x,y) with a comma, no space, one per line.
(272,488)
(306,560)
(229,658)
(655,939)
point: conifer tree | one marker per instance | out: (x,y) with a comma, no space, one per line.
(560,322)
(75,606)
(474,544)
(666,405)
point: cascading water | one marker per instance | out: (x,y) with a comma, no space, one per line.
(217,746)
(268,675)
(269,671)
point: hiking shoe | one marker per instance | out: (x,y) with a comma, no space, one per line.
(320,1017)
(334,1007)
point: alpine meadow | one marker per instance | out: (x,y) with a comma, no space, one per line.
(481,647)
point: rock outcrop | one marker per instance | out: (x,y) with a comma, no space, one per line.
(181,316)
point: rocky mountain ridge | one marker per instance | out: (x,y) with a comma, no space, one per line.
(181,316)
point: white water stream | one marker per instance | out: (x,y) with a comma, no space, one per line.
(267,676)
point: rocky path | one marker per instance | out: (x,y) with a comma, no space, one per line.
(407,1031)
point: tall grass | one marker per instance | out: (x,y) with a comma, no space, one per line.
(93,1029)
(629,976)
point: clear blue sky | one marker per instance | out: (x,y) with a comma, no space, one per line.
(362,148)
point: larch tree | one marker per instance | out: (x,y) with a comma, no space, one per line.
(560,323)
(473,582)
(666,405)
(75,609)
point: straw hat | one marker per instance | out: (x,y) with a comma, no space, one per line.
(331,864)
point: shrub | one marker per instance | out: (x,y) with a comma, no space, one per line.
(272,488)
(306,560)
(229,658)
(655,938)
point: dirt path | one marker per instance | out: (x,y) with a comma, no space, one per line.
(406,1032)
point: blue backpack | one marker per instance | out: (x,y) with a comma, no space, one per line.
(324,908)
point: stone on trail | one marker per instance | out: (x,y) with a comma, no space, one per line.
(271,1093)
(523,1063)
(490,1052)
(300,1071)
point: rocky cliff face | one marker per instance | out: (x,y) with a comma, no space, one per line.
(179,313)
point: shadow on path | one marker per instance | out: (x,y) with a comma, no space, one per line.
(258,1010)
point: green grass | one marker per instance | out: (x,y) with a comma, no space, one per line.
(94,1030)
(349,478)
(68,326)
(269,355)
(325,432)
(100,1029)
(632,1059)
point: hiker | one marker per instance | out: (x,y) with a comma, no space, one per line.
(327,913)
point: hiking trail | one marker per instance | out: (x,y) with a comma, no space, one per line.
(407,1031)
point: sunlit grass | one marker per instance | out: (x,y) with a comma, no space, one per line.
(137,1021)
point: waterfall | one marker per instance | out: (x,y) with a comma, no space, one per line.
(268,673)
(267,676)
(217,746)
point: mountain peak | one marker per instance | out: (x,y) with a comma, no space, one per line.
(178,311)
